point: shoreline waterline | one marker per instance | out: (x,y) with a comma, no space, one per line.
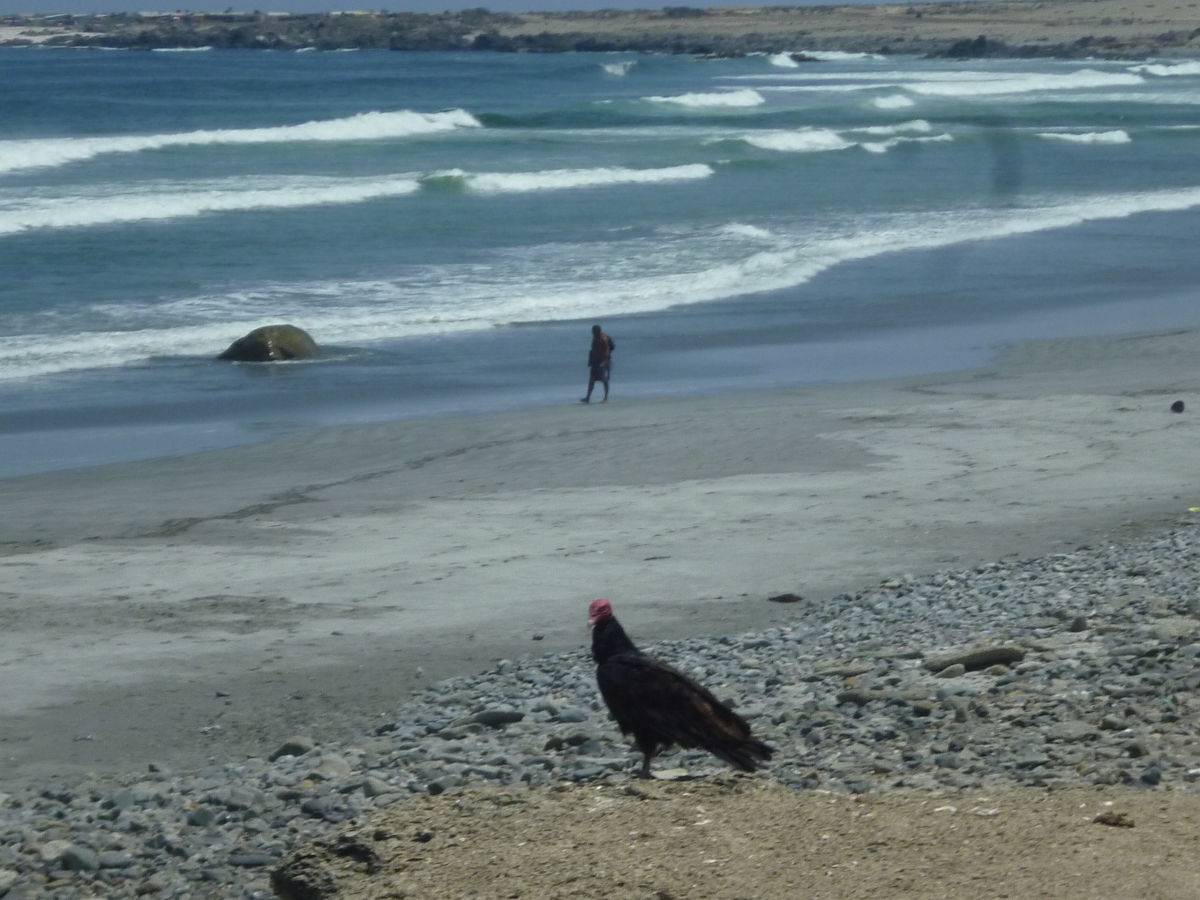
(446,379)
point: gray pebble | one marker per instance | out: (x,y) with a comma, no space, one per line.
(80,859)
(848,695)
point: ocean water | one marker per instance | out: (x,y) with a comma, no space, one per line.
(448,226)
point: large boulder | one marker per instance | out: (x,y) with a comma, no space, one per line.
(272,343)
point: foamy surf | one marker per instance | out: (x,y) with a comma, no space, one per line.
(1089,137)
(893,101)
(916,125)
(31,154)
(720,100)
(157,201)
(885,146)
(815,140)
(619,69)
(987,84)
(558,282)
(839,55)
(1167,71)
(566,179)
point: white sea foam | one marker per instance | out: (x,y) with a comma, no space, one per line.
(158,201)
(171,200)
(728,99)
(808,140)
(1165,71)
(950,83)
(738,229)
(839,55)
(893,101)
(558,281)
(885,146)
(1033,82)
(29,154)
(179,49)
(783,60)
(813,140)
(560,179)
(815,88)
(620,69)
(1089,137)
(916,125)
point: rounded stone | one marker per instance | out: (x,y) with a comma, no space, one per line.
(272,343)
(80,859)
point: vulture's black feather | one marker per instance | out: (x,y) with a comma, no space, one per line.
(662,707)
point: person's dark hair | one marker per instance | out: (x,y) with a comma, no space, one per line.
(595,328)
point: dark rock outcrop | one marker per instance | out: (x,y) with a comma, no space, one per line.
(272,343)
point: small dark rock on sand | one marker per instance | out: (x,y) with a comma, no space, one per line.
(1177,406)
(785,598)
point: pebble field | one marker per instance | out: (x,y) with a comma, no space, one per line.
(1072,670)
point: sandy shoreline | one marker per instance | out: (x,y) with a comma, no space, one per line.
(316,581)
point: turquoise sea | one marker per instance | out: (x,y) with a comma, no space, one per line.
(449,226)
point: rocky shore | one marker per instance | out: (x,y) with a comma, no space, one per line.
(1117,29)
(1073,671)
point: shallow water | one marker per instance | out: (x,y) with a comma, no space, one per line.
(449,225)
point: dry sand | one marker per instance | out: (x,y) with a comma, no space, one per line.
(318,580)
(745,839)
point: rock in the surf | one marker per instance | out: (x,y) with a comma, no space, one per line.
(272,343)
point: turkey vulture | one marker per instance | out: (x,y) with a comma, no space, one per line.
(663,707)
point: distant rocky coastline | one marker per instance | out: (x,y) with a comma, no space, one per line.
(1115,29)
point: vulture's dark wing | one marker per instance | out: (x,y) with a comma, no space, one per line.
(662,707)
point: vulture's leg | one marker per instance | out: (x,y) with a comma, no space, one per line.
(645,770)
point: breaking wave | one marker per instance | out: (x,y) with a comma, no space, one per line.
(980,85)
(159,201)
(813,140)
(728,99)
(620,69)
(893,101)
(560,179)
(885,146)
(31,154)
(1089,137)
(555,282)
(1165,71)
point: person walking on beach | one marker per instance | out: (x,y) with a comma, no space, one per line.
(599,362)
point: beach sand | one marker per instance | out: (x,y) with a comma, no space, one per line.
(211,605)
(732,838)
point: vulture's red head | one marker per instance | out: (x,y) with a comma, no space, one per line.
(599,611)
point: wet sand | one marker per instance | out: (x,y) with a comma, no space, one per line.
(210,605)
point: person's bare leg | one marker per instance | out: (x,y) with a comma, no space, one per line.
(588,398)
